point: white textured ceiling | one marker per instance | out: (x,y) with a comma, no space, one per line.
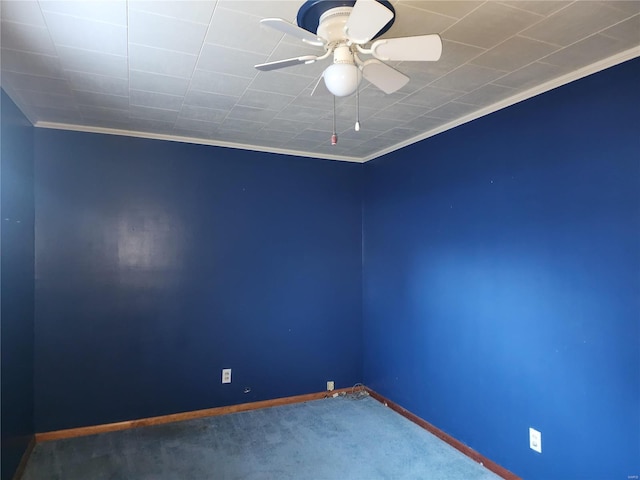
(184,69)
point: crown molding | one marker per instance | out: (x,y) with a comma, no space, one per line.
(532,92)
(194,140)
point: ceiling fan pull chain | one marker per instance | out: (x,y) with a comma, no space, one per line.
(334,136)
(358,108)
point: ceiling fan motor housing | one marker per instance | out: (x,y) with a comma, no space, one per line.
(332,23)
(311,11)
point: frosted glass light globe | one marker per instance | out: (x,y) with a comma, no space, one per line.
(342,79)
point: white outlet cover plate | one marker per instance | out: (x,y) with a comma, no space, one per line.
(226,375)
(331,385)
(535,440)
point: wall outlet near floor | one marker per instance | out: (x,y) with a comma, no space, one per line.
(535,440)
(331,385)
(226,375)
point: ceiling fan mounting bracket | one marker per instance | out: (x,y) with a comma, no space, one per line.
(332,23)
(311,11)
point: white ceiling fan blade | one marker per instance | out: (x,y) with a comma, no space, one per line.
(422,48)
(367,18)
(289,62)
(386,78)
(293,30)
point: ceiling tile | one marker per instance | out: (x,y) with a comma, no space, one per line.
(253,114)
(630,7)
(529,76)
(21,81)
(29,38)
(238,125)
(574,22)
(326,122)
(259,99)
(254,38)
(192,11)
(106,114)
(154,82)
(165,32)
(58,115)
(149,113)
(373,97)
(164,62)
(20,11)
(216,58)
(582,53)
(317,136)
(323,102)
(486,95)
(281,82)
(31,63)
(210,100)
(365,134)
(87,34)
(44,99)
(419,73)
(289,126)
(308,115)
(275,136)
(628,31)
(401,112)
(155,99)
(380,124)
(286,9)
(347,111)
(93,62)
(153,126)
(542,7)
(402,133)
(221,83)
(452,110)
(346,153)
(194,126)
(91,82)
(304,145)
(378,143)
(456,9)
(490,24)
(408,23)
(514,53)
(202,114)
(426,123)
(467,78)
(108,11)
(101,100)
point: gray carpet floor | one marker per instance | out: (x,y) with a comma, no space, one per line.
(336,438)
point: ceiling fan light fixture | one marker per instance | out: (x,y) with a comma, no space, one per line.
(342,79)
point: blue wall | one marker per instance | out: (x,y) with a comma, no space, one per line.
(501,280)
(160,263)
(16,280)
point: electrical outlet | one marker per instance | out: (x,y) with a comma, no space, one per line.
(226,375)
(535,440)
(331,385)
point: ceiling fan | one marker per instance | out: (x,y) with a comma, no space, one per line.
(345,29)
